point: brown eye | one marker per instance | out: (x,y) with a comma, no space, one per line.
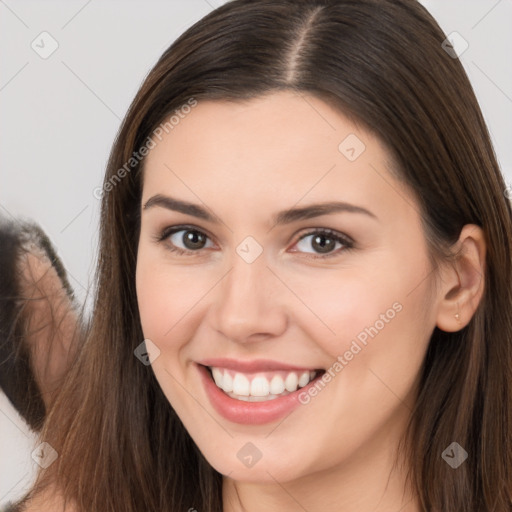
(193,239)
(323,242)
(184,240)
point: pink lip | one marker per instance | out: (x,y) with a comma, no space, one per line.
(249,413)
(257,365)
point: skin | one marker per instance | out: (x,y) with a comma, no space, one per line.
(245,162)
(51,321)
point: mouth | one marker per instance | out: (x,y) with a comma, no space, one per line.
(261,386)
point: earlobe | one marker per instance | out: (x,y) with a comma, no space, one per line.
(463,282)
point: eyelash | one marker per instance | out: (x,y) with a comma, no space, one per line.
(347,242)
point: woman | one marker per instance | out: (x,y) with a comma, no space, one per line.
(304,293)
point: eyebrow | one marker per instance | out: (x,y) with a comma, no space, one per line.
(283,217)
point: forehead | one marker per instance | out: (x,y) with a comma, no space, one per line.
(283,125)
(281,147)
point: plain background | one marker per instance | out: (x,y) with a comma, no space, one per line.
(59,117)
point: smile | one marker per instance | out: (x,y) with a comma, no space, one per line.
(261,386)
(255,392)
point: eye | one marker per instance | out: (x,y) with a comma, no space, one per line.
(191,239)
(323,242)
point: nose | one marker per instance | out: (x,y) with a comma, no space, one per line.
(249,304)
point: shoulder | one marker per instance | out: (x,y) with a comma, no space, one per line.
(46,507)
(41,503)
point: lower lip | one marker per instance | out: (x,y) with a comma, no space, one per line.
(250,413)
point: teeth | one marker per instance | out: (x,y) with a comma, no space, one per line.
(227,382)
(217,376)
(276,385)
(304,379)
(241,385)
(258,388)
(254,398)
(291,382)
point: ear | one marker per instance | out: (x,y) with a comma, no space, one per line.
(462,281)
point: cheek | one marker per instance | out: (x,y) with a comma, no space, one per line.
(378,312)
(152,295)
(168,296)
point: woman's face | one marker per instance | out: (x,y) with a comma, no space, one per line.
(301,254)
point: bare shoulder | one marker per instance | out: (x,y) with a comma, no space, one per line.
(45,503)
(46,507)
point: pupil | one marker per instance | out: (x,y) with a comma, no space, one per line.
(193,239)
(322,245)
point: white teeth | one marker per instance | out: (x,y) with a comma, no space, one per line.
(259,386)
(277,385)
(261,398)
(304,379)
(241,385)
(238,385)
(291,382)
(217,376)
(227,383)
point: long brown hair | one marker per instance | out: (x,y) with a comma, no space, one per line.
(121,445)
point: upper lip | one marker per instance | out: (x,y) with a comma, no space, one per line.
(256,365)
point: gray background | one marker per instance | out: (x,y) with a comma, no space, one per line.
(59,117)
